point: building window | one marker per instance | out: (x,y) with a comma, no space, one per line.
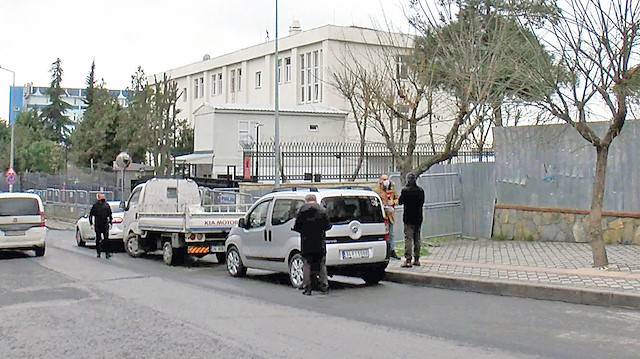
(401,67)
(233,80)
(287,69)
(184,94)
(316,76)
(313,128)
(246,133)
(220,83)
(239,80)
(202,87)
(279,71)
(195,88)
(258,79)
(302,72)
(213,85)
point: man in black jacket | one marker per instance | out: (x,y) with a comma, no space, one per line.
(412,197)
(100,219)
(312,222)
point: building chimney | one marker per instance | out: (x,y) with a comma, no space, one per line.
(295,28)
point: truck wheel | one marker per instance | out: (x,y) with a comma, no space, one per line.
(79,240)
(234,263)
(221,257)
(295,270)
(132,245)
(374,275)
(39,251)
(170,256)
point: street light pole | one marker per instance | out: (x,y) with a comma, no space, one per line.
(11,120)
(276,134)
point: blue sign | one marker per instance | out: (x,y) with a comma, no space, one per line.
(15,103)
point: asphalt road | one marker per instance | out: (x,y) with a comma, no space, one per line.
(69,304)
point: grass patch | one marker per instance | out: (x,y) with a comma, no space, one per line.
(399,248)
(500,237)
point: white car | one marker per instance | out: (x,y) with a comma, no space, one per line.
(85,234)
(22,222)
(356,243)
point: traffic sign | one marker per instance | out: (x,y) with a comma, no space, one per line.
(11,176)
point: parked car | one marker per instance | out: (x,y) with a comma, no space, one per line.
(85,234)
(356,243)
(22,222)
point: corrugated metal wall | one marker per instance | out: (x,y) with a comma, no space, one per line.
(553,166)
(459,198)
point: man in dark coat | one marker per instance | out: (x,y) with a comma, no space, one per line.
(312,222)
(412,197)
(100,219)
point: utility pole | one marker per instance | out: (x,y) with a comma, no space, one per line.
(12,121)
(276,134)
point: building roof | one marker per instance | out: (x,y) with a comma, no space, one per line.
(196,158)
(298,109)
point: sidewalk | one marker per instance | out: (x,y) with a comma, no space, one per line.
(540,270)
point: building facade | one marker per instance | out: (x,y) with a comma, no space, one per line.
(29,97)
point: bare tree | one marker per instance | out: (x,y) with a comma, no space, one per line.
(450,82)
(594,44)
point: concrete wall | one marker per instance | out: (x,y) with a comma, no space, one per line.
(562,226)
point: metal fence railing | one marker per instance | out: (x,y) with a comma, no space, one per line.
(339,161)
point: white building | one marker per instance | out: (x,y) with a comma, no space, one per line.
(37,97)
(226,96)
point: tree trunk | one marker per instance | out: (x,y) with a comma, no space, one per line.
(597,196)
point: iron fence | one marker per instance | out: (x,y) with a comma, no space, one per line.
(339,161)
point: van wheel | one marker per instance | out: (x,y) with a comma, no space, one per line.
(79,240)
(221,257)
(39,251)
(374,275)
(132,245)
(234,263)
(296,274)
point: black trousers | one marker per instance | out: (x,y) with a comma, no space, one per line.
(102,235)
(314,267)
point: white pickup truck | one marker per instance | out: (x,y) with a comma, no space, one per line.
(167,215)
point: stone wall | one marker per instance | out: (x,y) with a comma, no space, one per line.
(562,225)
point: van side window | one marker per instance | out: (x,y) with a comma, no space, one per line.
(284,210)
(258,217)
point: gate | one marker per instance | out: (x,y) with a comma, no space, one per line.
(442,211)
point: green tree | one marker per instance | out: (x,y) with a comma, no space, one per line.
(35,151)
(94,138)
(134,126)
(53,114)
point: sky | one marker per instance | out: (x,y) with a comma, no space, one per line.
(158,35)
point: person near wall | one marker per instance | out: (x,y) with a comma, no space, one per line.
(311,222)
(412,197)
(386,189)
(100,220)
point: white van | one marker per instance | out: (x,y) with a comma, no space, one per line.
(356,243)
(22,222)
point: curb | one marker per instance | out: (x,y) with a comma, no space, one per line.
(518,289)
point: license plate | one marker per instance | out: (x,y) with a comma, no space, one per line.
(217,249)
(14,233)
(355,254)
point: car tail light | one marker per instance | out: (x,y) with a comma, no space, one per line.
(200,236)
(116,220)
(386,230)
(192,236)
(42,219)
